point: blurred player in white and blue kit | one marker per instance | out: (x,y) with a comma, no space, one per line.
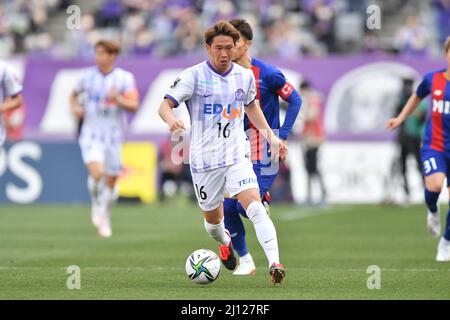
(107,92)
(216,93)
(10,95)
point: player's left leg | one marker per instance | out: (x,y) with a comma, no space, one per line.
(113,166)
(107,198)
(93,155)
(241,182)
(95,184)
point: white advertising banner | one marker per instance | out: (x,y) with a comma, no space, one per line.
(358,172)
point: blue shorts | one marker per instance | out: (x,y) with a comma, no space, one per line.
(264,181)
(434,161)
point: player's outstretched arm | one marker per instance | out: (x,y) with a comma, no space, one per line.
(256,116)
(409,107)
(166,113)
(11,103)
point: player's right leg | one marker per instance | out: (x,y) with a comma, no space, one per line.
(209,189)
(265,231)
(113,166)
(93,157)
(107,199)
(246,264)
(434,170)
(95,187)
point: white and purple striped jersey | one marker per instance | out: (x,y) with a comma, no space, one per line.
(215,103)
(9,86)
(104,121)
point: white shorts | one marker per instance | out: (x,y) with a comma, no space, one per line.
(109,154)
(210,186)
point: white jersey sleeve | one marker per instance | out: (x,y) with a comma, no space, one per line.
(80,85)
(251,92)
(182,89)
(11,83)
(129,84)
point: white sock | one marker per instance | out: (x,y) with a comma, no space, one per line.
(246,259)
(265,231)
(95,188)
(217,232)
(108,197)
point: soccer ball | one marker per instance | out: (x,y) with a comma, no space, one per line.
(203,266)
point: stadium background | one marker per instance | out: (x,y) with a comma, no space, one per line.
(327,42)
(358,70)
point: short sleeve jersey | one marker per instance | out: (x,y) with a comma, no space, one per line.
(437,127)
(216,103)
(104,120)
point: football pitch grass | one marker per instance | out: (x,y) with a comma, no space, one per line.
(326,253)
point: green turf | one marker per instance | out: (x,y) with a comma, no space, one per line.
(326,252)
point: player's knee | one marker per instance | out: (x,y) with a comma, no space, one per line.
(256,211)
(434,186)
(241,210)
(213,218)
(434,182)
(111,182)
(249,197)
(96,175)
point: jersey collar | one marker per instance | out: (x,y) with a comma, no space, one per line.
(217,71)
(105,74)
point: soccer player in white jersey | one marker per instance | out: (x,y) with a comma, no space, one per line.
(107,92)
(10,95)
(216,93)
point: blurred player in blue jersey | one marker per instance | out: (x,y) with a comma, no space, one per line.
(435,151)
(270,85)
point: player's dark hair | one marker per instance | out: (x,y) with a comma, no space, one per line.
(305,85)
(243,27)
(110,46)
(447,44)
(221,28)
(408,81)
